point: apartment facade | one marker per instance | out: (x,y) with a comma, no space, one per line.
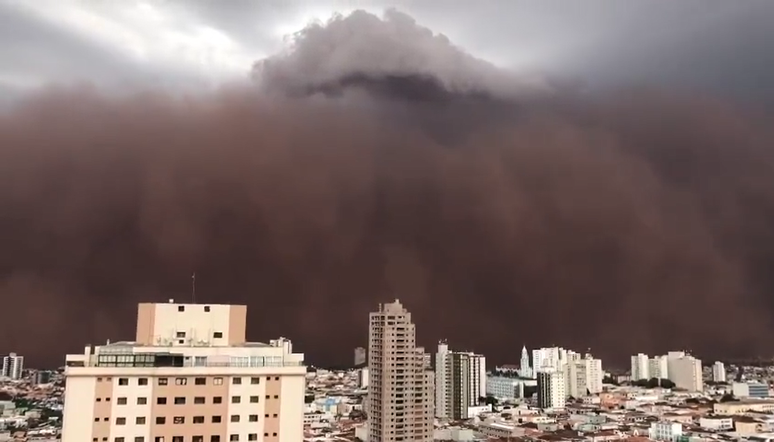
(551,390)
(12,367)
(401,385)
(460,380)
(718,372)
(189,376)
(640,367)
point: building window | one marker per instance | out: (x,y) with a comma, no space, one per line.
(254,399)
(200,381)
(268,397)
(197,438)
(180,334)
(123,381)
(159,439)
(234,418)
(215,438)
(142,400)
(217,381)
(266,415)
(181,381)
(142,381)
(163,381)
(236,399)
(161,420)
(139,420)
(255,381)
(276,378)
(121,401)
(105,419)
(198,419)
(99,379)
(178,439)
(274,415)
(217,335)
(274,434)
(236,381)
(120,421)
(180,308)
(161,401)
(199,400)
(179,400)
(276,396)
(139,439)
(253,418)
(234,438)
(96,419)
(216,419)
(217,400)
(252,436)
(107,399)
(118,439)
(178,420)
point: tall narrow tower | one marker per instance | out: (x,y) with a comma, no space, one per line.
(400,392)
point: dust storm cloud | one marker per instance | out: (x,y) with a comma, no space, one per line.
(634,222)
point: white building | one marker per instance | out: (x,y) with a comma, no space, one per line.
(719,372)
(13,365)
(665,431)
(640,367)
(551,391)
(658,367)
(685,372)
(507,388)
(525,370)
(583,376)
(460,380)
(716,423)
(548,358)
(189,364)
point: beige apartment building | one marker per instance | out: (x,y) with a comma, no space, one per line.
(400,391)
(188,376)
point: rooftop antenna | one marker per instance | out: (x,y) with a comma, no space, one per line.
(193,288)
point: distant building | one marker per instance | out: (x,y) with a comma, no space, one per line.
(640,367)
(551,392)
(193,358)
(548,358)
(460,380)
(685,371)
(362,377)
(43,377)
(718,372)
(658,367)
(13,365)
(360,356)
(750,390)
(665,431)
(583,376)
(525,370)
(507,387)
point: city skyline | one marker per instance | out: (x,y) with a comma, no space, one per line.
(590,184)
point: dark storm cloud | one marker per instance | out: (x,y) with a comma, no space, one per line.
(635,222)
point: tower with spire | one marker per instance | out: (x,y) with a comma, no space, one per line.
(525,370)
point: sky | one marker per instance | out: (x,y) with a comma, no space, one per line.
(519,172)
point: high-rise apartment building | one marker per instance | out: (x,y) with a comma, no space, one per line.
(188,376)
(360,356)
(400,392)
(640,367)
(658,367)
(685,371)
(460,380)
(583,376)
(548,358)
(13,365)
(719,372)
(551,392)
